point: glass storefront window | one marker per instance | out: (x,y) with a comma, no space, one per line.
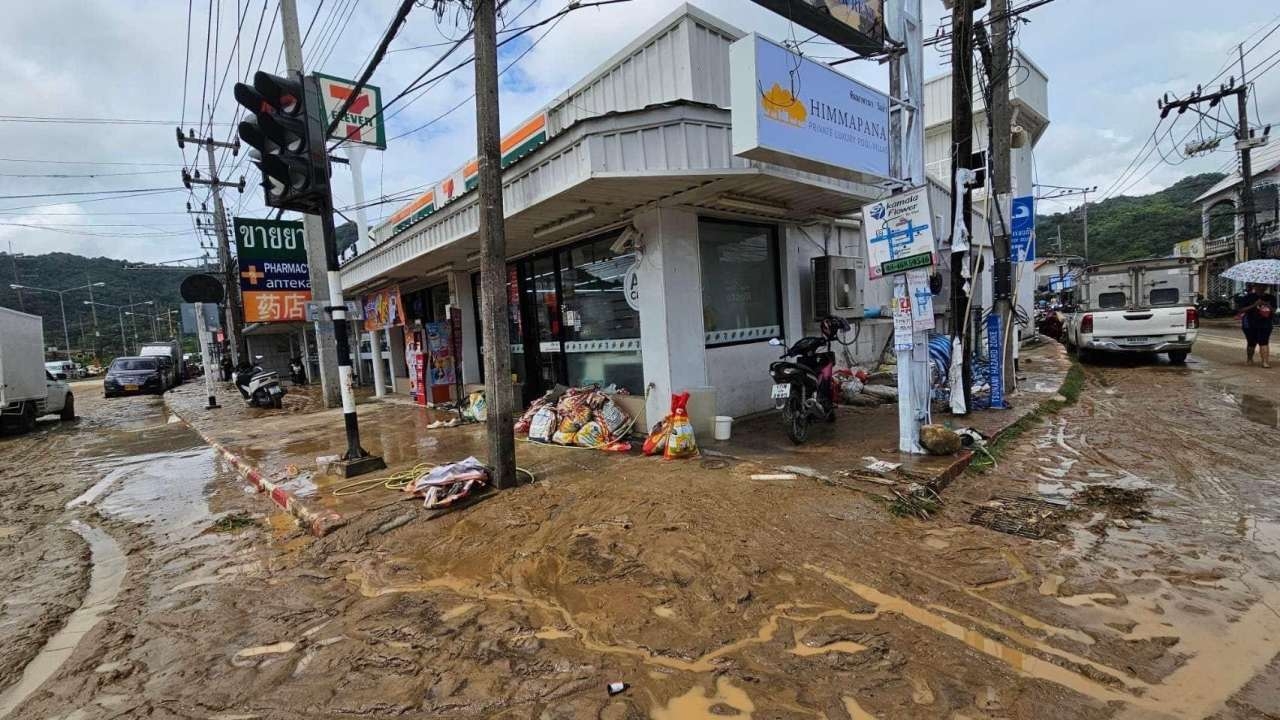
(741,301)
(601,331)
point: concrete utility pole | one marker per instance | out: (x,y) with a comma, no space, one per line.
(493,251)
(1252,243)
(961,159)
(1000,121)
(313,231)
(234,316)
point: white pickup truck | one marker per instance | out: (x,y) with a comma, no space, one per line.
(27,390)
(1137,306)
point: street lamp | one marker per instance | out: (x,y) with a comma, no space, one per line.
(124,342)
(66,335)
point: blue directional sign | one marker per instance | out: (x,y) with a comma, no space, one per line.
(1022,228)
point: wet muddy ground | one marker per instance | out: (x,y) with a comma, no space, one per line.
(709,593)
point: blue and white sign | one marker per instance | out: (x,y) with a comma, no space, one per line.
(995,361)
(801,114)
(899,232)
(1022,228)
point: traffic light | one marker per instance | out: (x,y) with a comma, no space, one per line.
(287,137)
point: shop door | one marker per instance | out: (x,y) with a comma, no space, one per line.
(540,304)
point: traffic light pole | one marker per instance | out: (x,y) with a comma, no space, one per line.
(356,461)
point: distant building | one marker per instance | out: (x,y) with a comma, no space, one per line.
(1223,199)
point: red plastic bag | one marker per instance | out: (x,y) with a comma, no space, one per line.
(680,441)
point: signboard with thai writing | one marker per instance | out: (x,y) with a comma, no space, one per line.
(899,233)
(362,121)
(275,283)
(515,145)
(383,308)
(792,111)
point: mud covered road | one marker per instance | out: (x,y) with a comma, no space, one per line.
(142,581)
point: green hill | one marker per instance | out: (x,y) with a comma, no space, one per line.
(1125,227)
(59,271)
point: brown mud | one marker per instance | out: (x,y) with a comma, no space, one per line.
(710,594)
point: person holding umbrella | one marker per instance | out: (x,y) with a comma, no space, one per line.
(1256,307)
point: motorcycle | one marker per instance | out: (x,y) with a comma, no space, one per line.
(1215,307)
(297,373)
(258,387)
(804,390)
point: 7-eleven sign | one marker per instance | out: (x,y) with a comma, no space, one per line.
(362,121)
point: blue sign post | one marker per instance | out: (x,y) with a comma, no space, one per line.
(1022,229)
(995,361)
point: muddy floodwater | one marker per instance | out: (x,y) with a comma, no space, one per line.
(146,582)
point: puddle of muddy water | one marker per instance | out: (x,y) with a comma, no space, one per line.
(700,704)
(105,579)
(1260,410)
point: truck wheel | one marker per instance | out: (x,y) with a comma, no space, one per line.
(1084,355)
(68,409)
(27,422)
(1178,357)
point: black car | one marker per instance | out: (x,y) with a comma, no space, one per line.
(134,375)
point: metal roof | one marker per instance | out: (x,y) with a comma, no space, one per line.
(1263,160)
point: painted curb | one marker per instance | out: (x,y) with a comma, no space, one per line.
(318,522)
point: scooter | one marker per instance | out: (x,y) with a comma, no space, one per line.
(258,387)
(804,390)
(297,374)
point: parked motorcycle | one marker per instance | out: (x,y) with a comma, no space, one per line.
(297,373)
(803,389)
(258,387)
(1215,307)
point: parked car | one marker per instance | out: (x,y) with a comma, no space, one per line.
(1138,306)
(134,375)
(27,389)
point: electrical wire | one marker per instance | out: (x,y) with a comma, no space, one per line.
(306,35)
(337,36)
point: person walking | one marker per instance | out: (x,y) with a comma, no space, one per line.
(1255,308)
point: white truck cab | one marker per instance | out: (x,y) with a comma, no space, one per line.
(1137,306)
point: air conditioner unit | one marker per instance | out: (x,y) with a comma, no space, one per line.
(837,286)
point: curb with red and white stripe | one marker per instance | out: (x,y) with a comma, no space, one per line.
(318,522)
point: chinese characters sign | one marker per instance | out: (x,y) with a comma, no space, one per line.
(272,262)
(899,233)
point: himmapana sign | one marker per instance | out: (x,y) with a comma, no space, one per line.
(794,112)
(274,279)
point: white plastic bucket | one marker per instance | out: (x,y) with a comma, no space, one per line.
(723,427)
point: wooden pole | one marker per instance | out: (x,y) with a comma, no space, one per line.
(493,252)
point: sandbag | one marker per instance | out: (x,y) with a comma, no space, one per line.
(543,425)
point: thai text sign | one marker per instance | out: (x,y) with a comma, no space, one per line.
(362,120)
(792,111)
(899,232)
(275,283)
(383,308)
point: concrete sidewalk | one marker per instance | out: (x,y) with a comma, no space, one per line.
(276,450)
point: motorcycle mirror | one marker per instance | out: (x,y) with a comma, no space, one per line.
(257,357)
(776,342)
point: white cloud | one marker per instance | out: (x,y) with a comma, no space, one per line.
(1107,63)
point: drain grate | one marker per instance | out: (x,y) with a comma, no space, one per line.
(1028,517)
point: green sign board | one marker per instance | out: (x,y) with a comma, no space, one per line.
(912,262)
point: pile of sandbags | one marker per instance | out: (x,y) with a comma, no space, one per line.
(580,417)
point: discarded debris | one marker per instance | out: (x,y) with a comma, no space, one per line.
(938,440)
(617,688)
(917,501)
(880,466)
(1117,502)
(1020,515)
(775,476)
(233,522)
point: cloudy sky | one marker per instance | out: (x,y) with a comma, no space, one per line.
(89,164)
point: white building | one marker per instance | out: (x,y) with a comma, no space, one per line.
(632,168)
(1223,201)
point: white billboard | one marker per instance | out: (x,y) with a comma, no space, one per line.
(794,112)
(899,232)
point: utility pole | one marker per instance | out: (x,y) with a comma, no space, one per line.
(493,251)
(1061,191)
(1245,142)
(961,163)
(999,122)
(1252,243)
(313,233)
(230,277)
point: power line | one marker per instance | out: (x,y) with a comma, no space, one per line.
(93,192)
(89,162)
(100,199)
(337,36)
(90,175)
(208,39)
(186,68)
(311,24)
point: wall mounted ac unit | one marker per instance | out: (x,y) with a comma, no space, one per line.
(837,286)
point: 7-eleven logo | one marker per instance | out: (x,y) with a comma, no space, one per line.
(352,131)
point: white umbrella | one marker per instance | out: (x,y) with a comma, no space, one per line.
(1263,272)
